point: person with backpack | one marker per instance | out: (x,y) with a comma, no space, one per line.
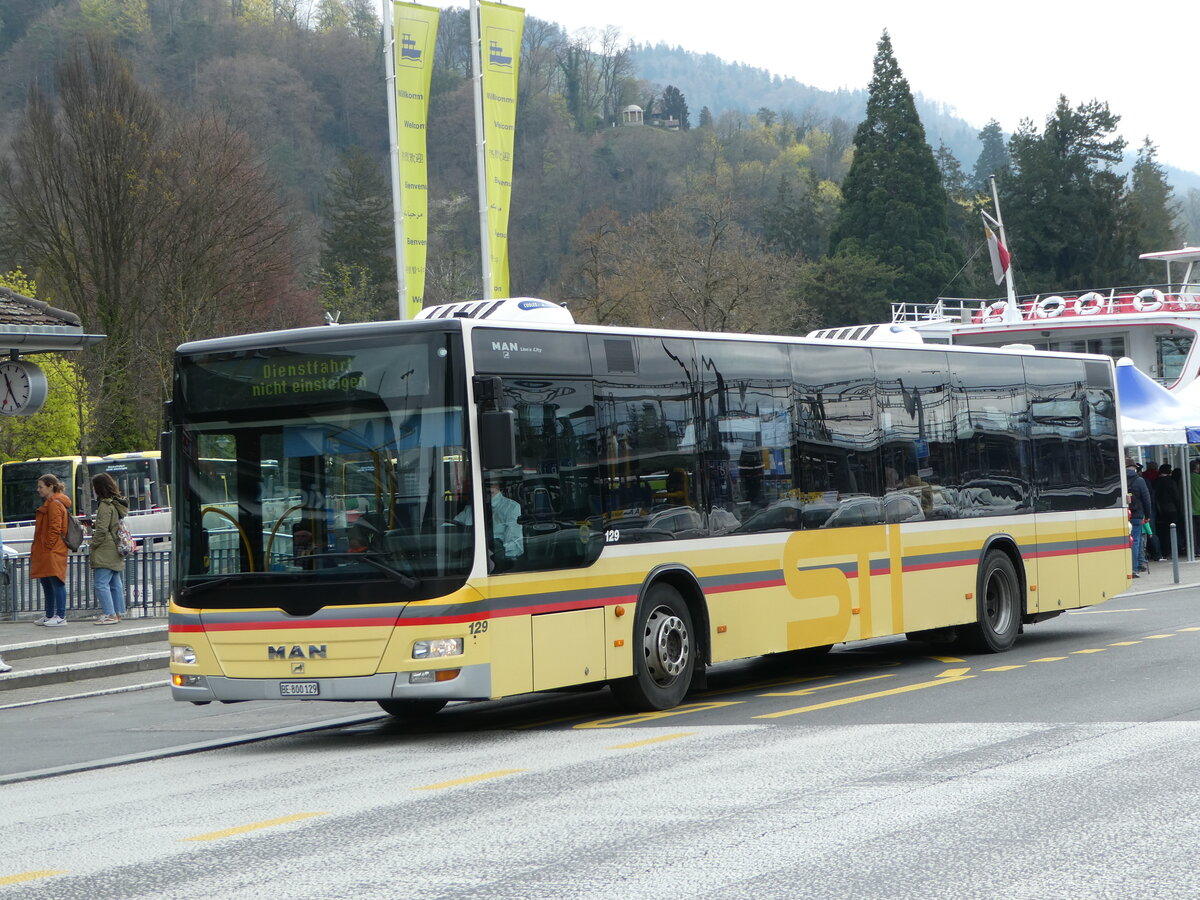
(48,552)
(105,555)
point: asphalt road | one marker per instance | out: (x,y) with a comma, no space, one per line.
(1068,767)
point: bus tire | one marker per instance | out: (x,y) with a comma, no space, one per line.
(997,607)
(411,709)
(664,652)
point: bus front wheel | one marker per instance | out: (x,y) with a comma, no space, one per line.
(411,709)
(664,652)
(998,607)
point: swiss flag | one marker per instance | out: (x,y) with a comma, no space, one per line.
(998,252)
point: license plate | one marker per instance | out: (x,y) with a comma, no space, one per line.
(299,689)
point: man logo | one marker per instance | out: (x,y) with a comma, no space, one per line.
(297,652)
(297,668)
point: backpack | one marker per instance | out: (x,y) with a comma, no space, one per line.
(124,539)
(74,536)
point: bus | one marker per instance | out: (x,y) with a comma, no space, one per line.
(680,499)
(19,500)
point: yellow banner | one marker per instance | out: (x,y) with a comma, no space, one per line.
(415,30)
(500,31)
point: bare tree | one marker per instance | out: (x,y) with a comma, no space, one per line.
(150,231)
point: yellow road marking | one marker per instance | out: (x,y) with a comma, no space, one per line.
(952,673)
(1048,659)
(759,685)
(1124,643)
(1094,650)
(845,701)
(824,687)
(1190,628)
(1152,637)
(254,826)
(639,718)
(542,722)
(31,876)
(1004,668)
(648,741)
(500,773)
(946,659)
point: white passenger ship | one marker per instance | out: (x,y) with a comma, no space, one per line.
(1154,325)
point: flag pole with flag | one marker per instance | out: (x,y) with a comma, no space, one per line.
(1001,259)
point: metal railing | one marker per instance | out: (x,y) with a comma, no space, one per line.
(147,580)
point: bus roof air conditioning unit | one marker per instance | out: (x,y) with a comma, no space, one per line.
(512,309)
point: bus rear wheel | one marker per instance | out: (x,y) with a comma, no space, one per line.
(411,709)
(664,652)
(998,607)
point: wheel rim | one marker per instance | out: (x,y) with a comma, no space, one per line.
(667,645)
(998,602)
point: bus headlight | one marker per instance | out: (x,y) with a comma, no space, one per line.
(185,655)
(196,681)
(439,647)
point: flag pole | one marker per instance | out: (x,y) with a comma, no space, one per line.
(389,54)
(1008,278)
(485,255)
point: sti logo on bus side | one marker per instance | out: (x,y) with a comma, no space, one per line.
(297,652)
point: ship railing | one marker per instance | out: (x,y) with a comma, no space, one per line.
(1164,298)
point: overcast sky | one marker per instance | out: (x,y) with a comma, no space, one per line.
(1003,60)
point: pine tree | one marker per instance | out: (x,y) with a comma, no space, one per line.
(1068,221)
(358,213)
(1155,212)
(895,205)
(358,237)
(993,157)
(675,106)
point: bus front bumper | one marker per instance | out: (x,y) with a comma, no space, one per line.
(472,683)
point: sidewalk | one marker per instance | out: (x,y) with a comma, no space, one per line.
(81,658)
(1162,577)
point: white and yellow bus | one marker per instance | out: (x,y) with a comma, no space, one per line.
(490,501)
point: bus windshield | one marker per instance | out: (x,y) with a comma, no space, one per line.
(303,464)
(20,500)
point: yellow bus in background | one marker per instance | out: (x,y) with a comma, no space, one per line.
(493,500)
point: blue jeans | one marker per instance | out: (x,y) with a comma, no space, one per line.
(110,591)
(55,590)
(1139,543)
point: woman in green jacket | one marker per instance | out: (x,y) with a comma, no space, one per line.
(104,556)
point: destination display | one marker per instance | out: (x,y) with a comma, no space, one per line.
(304,377)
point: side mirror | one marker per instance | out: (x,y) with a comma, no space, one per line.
(165,446)
(497,439)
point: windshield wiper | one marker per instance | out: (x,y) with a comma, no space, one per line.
(405,581)
(194,589)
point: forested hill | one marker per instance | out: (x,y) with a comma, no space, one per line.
(728,87)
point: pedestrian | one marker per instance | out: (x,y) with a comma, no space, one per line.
(1168,506)
(48,552)
(1195,483)
(1139,504)
(104,555)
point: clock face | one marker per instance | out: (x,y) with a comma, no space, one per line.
(22,388)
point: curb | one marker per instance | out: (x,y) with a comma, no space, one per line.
(17,679)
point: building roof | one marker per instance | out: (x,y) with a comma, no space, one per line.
(30,326)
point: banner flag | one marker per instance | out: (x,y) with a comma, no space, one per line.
(997,250)
(415,32)
(500,30)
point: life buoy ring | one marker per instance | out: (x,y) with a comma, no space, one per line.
(994,312)
(1051,307)
(1091,303)
(1149,300)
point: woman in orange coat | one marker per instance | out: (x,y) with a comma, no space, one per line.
(48,552)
